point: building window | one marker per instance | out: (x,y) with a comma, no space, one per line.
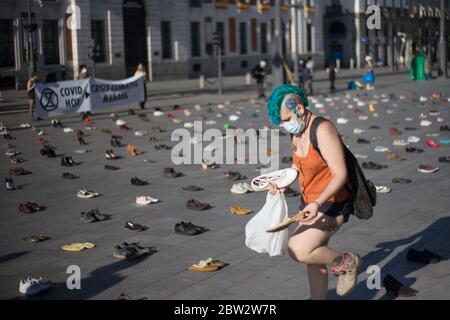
(50,41)
(220,28)
(243,38)
(166,40)
(232,34)
(98,35)
(309,37)
(195,39)
(6,43)
(263,36)
(195,3)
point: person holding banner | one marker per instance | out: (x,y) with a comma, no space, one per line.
(140,72)
(30,92)
(83,72)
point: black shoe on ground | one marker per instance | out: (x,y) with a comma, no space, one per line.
(187,229)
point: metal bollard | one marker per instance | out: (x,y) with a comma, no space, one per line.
(202,81)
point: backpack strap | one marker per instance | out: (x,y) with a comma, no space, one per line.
(313,133)
(315,143)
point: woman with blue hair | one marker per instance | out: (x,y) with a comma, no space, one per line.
(318,156)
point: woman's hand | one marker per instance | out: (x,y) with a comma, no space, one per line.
(273,189)
(311,211)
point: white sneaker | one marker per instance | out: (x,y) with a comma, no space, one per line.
(233,118)
(68,130)
(31,287)
(423,99)
(120,122)
(358,131)
(282,179)
(400,143)
(425,123)
(177,121)
(144,200)
(140,133)
(25,125)
(380,149)
(158,113)
(342,120)
(241,188)
(383,189)
(413,139)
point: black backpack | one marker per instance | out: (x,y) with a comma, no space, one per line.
(363,191)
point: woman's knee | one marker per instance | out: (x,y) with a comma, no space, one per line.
(299,254)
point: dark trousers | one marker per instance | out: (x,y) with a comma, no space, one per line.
(81,141)
(261,93)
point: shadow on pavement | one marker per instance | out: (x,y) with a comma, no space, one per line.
(433,238)
(99,280)
(12,256)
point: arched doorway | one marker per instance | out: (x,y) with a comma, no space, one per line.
(336,34)
(135,36)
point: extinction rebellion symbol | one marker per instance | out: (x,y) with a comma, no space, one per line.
(49,100)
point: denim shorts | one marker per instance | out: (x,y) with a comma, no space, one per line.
(334,209)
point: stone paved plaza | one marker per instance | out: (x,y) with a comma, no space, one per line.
(414,215)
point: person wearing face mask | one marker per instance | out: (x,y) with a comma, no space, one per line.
(324,199)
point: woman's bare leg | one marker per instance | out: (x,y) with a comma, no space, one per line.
(31,106)
(309,245)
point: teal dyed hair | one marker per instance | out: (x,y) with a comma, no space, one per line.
(275,100)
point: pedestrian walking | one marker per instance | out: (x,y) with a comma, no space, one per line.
(325,199)
(140,72)
(332,72)
(259,73)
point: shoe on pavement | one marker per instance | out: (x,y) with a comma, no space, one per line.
(31,286)
(425,168)
(192,188)
(145,200)
(187,229)
(383,189)
(235,209)
(134,226)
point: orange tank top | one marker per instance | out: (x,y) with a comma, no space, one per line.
(314,176)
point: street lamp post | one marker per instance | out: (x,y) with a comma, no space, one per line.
(443,42)
(277,63)
(217,42)
(30,28)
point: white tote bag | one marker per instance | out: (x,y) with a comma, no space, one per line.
(257,238)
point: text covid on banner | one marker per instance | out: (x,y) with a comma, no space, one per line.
(64,97)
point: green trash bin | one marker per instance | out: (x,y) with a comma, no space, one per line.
(420,67)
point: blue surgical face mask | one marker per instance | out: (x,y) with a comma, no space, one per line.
(292,126)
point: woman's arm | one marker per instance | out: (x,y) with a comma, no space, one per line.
(332,151)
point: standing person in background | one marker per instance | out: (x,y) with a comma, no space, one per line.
(140,72)
(332,71)
(309,81)
(259,73)
(83,74)
(62,73)
(31,92)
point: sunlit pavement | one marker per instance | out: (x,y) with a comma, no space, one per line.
(414,215)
